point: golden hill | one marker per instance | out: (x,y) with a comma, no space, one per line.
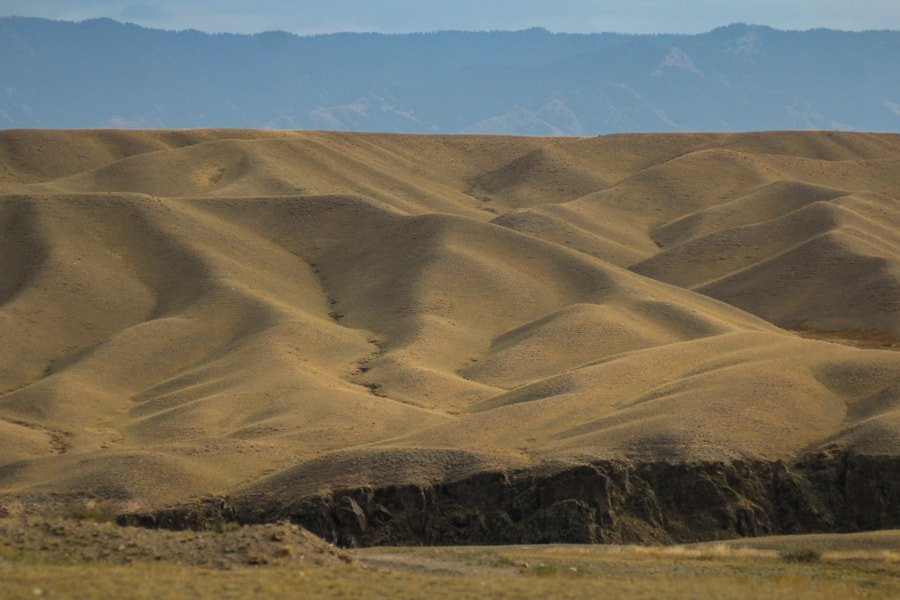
(193,312)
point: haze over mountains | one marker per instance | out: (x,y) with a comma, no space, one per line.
(101,73)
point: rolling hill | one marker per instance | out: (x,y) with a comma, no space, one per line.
(193,312)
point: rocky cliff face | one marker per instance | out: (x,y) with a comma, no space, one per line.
(603,502)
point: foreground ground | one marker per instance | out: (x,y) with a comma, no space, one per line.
(65,558)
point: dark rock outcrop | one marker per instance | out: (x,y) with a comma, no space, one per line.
(603,502)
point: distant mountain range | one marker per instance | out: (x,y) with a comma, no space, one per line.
(102,73)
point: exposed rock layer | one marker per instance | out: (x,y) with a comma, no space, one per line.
(604,502)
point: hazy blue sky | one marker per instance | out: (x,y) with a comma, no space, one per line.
(319,16)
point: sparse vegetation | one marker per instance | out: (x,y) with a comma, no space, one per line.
(100,512)
(280,561)
(801,555)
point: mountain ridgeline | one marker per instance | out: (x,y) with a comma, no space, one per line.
(101,73)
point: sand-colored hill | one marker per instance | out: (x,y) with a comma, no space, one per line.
(193,312)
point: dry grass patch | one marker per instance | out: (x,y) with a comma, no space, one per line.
(85,559)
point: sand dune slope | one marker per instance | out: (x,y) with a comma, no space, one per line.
(191,312)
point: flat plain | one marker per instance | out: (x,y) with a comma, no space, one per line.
(86,559)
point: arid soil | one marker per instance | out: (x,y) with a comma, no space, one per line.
(67,558)
(77,541)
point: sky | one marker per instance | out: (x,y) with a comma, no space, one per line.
(394,16)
